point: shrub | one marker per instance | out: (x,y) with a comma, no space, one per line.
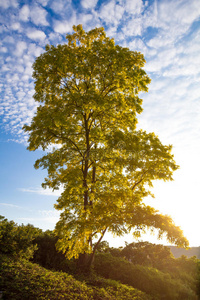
(149,280)
(22,279)
(17,240)
(47,255)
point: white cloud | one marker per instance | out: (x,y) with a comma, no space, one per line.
(24,13)
(43,2)
(36,35)
(50,213)
(177,59)
(182,11)
(5,68)
(172,19)
(61,6)
(3,49)
(161,40)
(34,50)
(111,13)
(171,110)
(20,48)
(9,40)
(138,45)
(133,27)
(28,69)
(41,191)
(185,69)
(85,19)
(162,59)
(42,219)
(8,3)
(10,205)
(15,26)
(38,15)
(17,104)
(63,27)
(112,31)
(89,4)
(134,6)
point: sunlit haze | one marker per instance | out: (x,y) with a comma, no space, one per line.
(167,32)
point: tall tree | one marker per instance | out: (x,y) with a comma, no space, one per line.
(86,121)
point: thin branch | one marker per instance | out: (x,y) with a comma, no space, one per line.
(101,237)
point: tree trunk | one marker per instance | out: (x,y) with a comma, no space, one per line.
(85,261)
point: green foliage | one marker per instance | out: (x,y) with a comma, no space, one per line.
(147,254)
(198,278)
(103,246)
(17,240)
(88,91)
(157,274)
(24,280)
(120,291)
(158,284)
(47,256)
(161,258)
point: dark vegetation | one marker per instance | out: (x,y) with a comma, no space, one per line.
(31,268)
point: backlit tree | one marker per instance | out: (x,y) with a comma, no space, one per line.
(88,90)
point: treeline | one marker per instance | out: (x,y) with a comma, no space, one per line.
(31,268)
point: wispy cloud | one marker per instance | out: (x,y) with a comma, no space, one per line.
(41,218)
(41,191)
(10,205)
(45,219)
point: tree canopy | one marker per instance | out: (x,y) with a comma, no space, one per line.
(17,240)
(88,90)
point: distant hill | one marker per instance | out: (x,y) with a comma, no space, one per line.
(193,251)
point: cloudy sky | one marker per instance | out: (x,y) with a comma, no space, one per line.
(167,32)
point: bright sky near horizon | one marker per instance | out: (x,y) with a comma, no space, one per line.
(167,32)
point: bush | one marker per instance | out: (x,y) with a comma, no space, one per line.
(149,280)
(47,256)
(17,240)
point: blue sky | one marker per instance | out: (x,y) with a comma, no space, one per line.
(167,32)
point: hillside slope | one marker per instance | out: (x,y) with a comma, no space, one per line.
(28,281)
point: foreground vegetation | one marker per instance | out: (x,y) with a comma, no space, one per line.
(25,280)
(31,268)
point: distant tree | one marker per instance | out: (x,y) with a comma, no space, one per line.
(145,253)
(86,121)
(103,247)
(17,240)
